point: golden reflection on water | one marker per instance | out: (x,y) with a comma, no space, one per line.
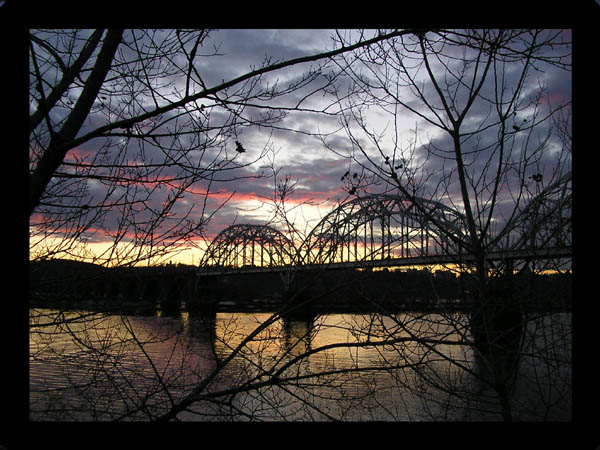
(123,355)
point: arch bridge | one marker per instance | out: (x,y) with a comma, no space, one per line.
(384,227)
(381,230)
(249,246)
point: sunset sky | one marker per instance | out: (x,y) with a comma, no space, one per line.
(316,170)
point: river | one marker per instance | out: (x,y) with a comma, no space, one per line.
(411,366)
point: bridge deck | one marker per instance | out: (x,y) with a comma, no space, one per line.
(399,262)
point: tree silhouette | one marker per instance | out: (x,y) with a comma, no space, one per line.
(124,121)
(493,123)
(124,125)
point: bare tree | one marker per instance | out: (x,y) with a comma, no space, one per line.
(123,127)
(489,151)
(125,124)
(157,135)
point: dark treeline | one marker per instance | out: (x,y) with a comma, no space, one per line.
(71,281)
(334,290)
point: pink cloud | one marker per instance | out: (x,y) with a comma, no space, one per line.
(555,99)
(78,154)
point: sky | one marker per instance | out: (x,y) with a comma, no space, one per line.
(315,170)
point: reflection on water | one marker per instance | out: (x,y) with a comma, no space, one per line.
(410,366)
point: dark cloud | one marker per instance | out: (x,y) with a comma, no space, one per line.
(292,143)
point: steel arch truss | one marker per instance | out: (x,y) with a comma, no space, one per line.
(545,222)
(245,245)
(379,226)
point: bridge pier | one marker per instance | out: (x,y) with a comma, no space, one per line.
(200,296)
(298,297)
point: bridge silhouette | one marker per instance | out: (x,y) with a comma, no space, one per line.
(368,232)
(384,230)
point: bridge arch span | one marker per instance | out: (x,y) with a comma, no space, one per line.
(545,221)
(384,226)
(248,245)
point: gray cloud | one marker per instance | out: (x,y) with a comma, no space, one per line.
(298,154)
